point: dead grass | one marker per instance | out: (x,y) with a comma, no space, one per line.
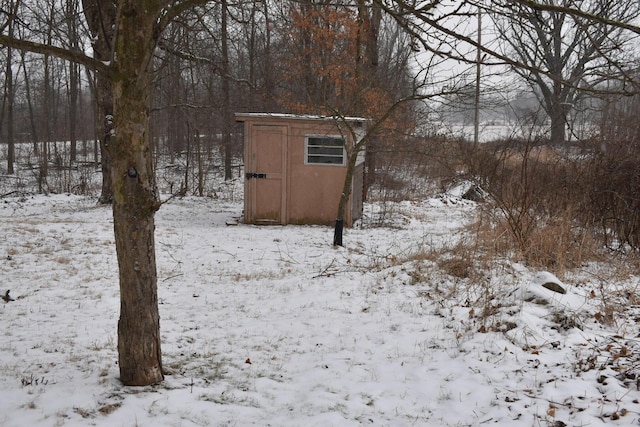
(109,408)
(260,275)
(556,244)
(459,267)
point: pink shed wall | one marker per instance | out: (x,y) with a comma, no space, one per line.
(309,194)
(314,190)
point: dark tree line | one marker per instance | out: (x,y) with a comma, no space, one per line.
(221,57)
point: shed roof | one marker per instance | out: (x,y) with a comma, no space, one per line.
(241,117)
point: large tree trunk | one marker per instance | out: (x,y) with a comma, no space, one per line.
(134,199)
(558,123)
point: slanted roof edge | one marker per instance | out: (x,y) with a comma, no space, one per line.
(240,116)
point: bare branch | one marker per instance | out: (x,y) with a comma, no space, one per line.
(580,13)
(45,49)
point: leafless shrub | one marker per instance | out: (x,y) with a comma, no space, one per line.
(33,380)
(612,201)
(535,192)
(460,267)
(410,168)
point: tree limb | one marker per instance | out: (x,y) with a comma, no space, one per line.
(577,12)
(45,49)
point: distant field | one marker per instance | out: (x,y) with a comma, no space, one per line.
(491,132)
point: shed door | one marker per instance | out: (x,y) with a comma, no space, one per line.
(266,173)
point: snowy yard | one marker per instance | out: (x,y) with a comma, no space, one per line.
(271,326)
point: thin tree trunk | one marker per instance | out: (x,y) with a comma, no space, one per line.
(104,125)
(94,126)
(73,111)
(200,163)
(9,95)
(44,152)
(352,157)
(366,65)
(226,96)
(369,19)
(11,147)
(187,162)
(269,90)
(32,121)
(74,75)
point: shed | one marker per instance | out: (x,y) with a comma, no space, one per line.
(295,167)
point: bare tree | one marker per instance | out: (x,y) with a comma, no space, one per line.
(341,75)
(342,78)
(226,90)
(27,87)
(565,54)
(9,95)
(139,25)
(72,23)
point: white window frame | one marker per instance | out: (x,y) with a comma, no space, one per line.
(307,154)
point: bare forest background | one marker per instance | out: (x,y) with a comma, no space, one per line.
(536,114)
(543,119)
(255,56)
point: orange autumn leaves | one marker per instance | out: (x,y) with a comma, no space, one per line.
(325,65)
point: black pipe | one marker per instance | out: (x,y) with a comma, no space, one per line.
(337,234)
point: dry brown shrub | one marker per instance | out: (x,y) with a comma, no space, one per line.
(611,202)
(557,243)
(459,267)
(561,246)
(465,259)
(536,192)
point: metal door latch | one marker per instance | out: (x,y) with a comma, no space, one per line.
(250,175)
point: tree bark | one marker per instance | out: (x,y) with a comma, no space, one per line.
(101,18)
(134,198)
(11,147)
(352,157)
(73,79)
(366,66)
(9,98)
(104,111)
(558,124)
(46,125)
(226,95)
(73,112)
(32,121)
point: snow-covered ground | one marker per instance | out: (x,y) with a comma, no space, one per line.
(272,326)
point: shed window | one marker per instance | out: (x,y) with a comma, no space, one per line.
(325,150)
